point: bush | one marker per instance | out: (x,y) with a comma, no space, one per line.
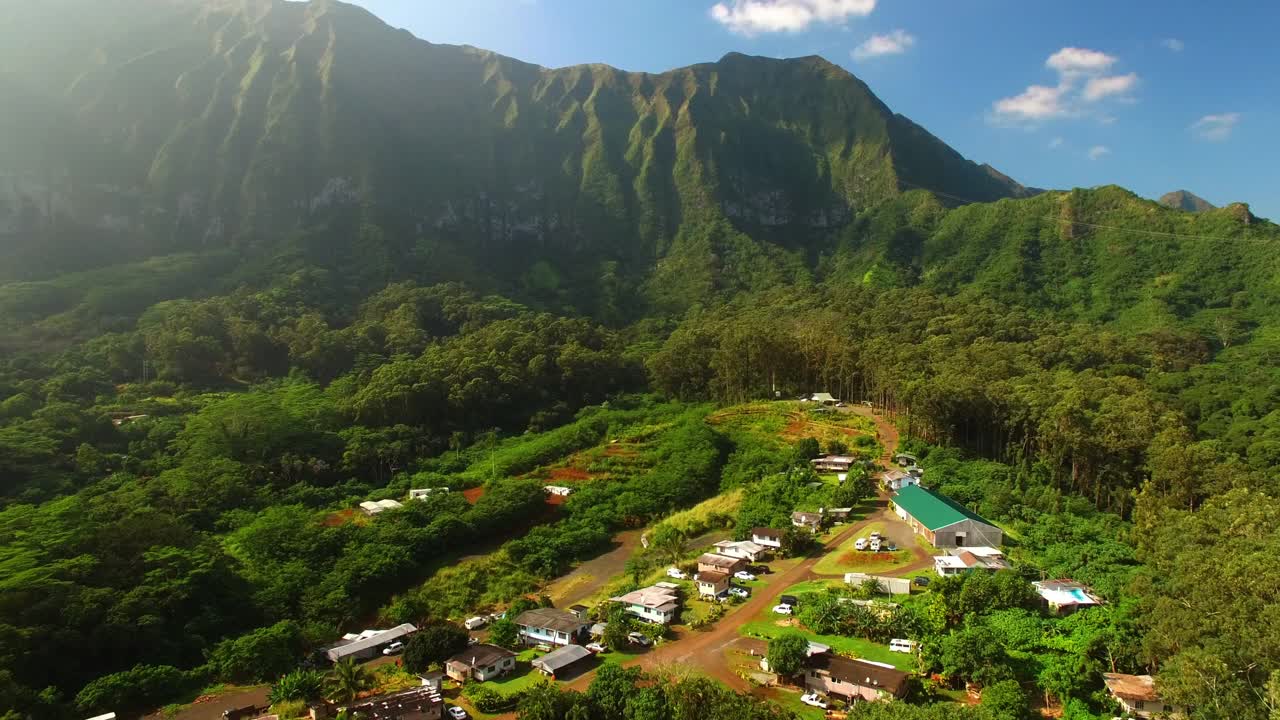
(299,685)
(260,655)
(490,701)
(140,688)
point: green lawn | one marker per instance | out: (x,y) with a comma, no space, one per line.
(845,559)
(812,586)
(522,677)
(853,647)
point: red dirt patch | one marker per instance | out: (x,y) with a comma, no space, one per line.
(857,557)
(569,474)
(473,494)
(553,499)
(342,517)
(624,451)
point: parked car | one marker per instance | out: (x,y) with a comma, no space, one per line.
(788,600)
(677,573)
(782,609)
(497,616)
(875,545)
(744,576)
(596,647)
(814,699)
(475,623)
(891,547)
(876,536)
(639,639)
(393,648)
(457,713)
(921,581)
(739,592)
(860,544)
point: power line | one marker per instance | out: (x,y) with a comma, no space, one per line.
(1157,233)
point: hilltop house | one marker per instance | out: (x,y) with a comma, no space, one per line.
(960,560)
(767,537)
(895,480)
(808,521)
(743,549)
(714,562)
(1137,695)
(425,493)
(550,626)
(942,521)
(1063,597)
(480,663)
(652,604)
(833,463)
(712,583)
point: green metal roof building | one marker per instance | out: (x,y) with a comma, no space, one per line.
(943,521)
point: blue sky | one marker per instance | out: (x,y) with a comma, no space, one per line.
(1154,96)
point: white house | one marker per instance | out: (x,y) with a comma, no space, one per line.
(424,493)
(371,507)
(652,604)
(895,480)
(745,549)
(550,626)
(961,560)
(1064,597)
(768,537)
(712,583)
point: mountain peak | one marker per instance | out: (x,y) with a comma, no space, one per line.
(1185,200)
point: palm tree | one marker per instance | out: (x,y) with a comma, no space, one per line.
(347,680)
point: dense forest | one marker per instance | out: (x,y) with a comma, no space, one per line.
(224,325)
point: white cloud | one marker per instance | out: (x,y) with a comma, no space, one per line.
(1216,128)
(751,17)
(1173,44)
(1038,102)
(1098,151)
(1080,60)
(895,43)
(1100,87)
(1082,81)
(1056,143)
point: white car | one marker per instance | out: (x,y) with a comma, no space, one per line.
(457,713)
(677,573)
(475,623)
(744,576)
(393,648)
(875,545)
(860,544)
(639,639)
(596,648)
(814,699)
(740,592)
(782,609)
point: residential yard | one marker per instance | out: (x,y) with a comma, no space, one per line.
(789,699)
(770,627)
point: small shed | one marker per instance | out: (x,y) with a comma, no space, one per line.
(557,660)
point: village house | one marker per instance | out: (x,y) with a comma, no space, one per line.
(853,680)
(652,604)
(480,663)
(374,507)
(1137,695)
(823,398)
(715,562)
(367,644)
(942,521)
(550,626)
(895,480)
(742,549)
(808,521)
(833,463)
(961,560)
(712,583)
(767,537)
(555,662)
(1063,596)
(839,514)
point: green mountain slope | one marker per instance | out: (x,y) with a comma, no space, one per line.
(174,125)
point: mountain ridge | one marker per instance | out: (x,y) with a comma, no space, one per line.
(240,122)
(1186,200)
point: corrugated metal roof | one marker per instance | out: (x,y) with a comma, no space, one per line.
(561,658)
(934,510)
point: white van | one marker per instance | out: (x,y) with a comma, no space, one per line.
(860,544)
(474,623)
(875,544)
(902,646)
